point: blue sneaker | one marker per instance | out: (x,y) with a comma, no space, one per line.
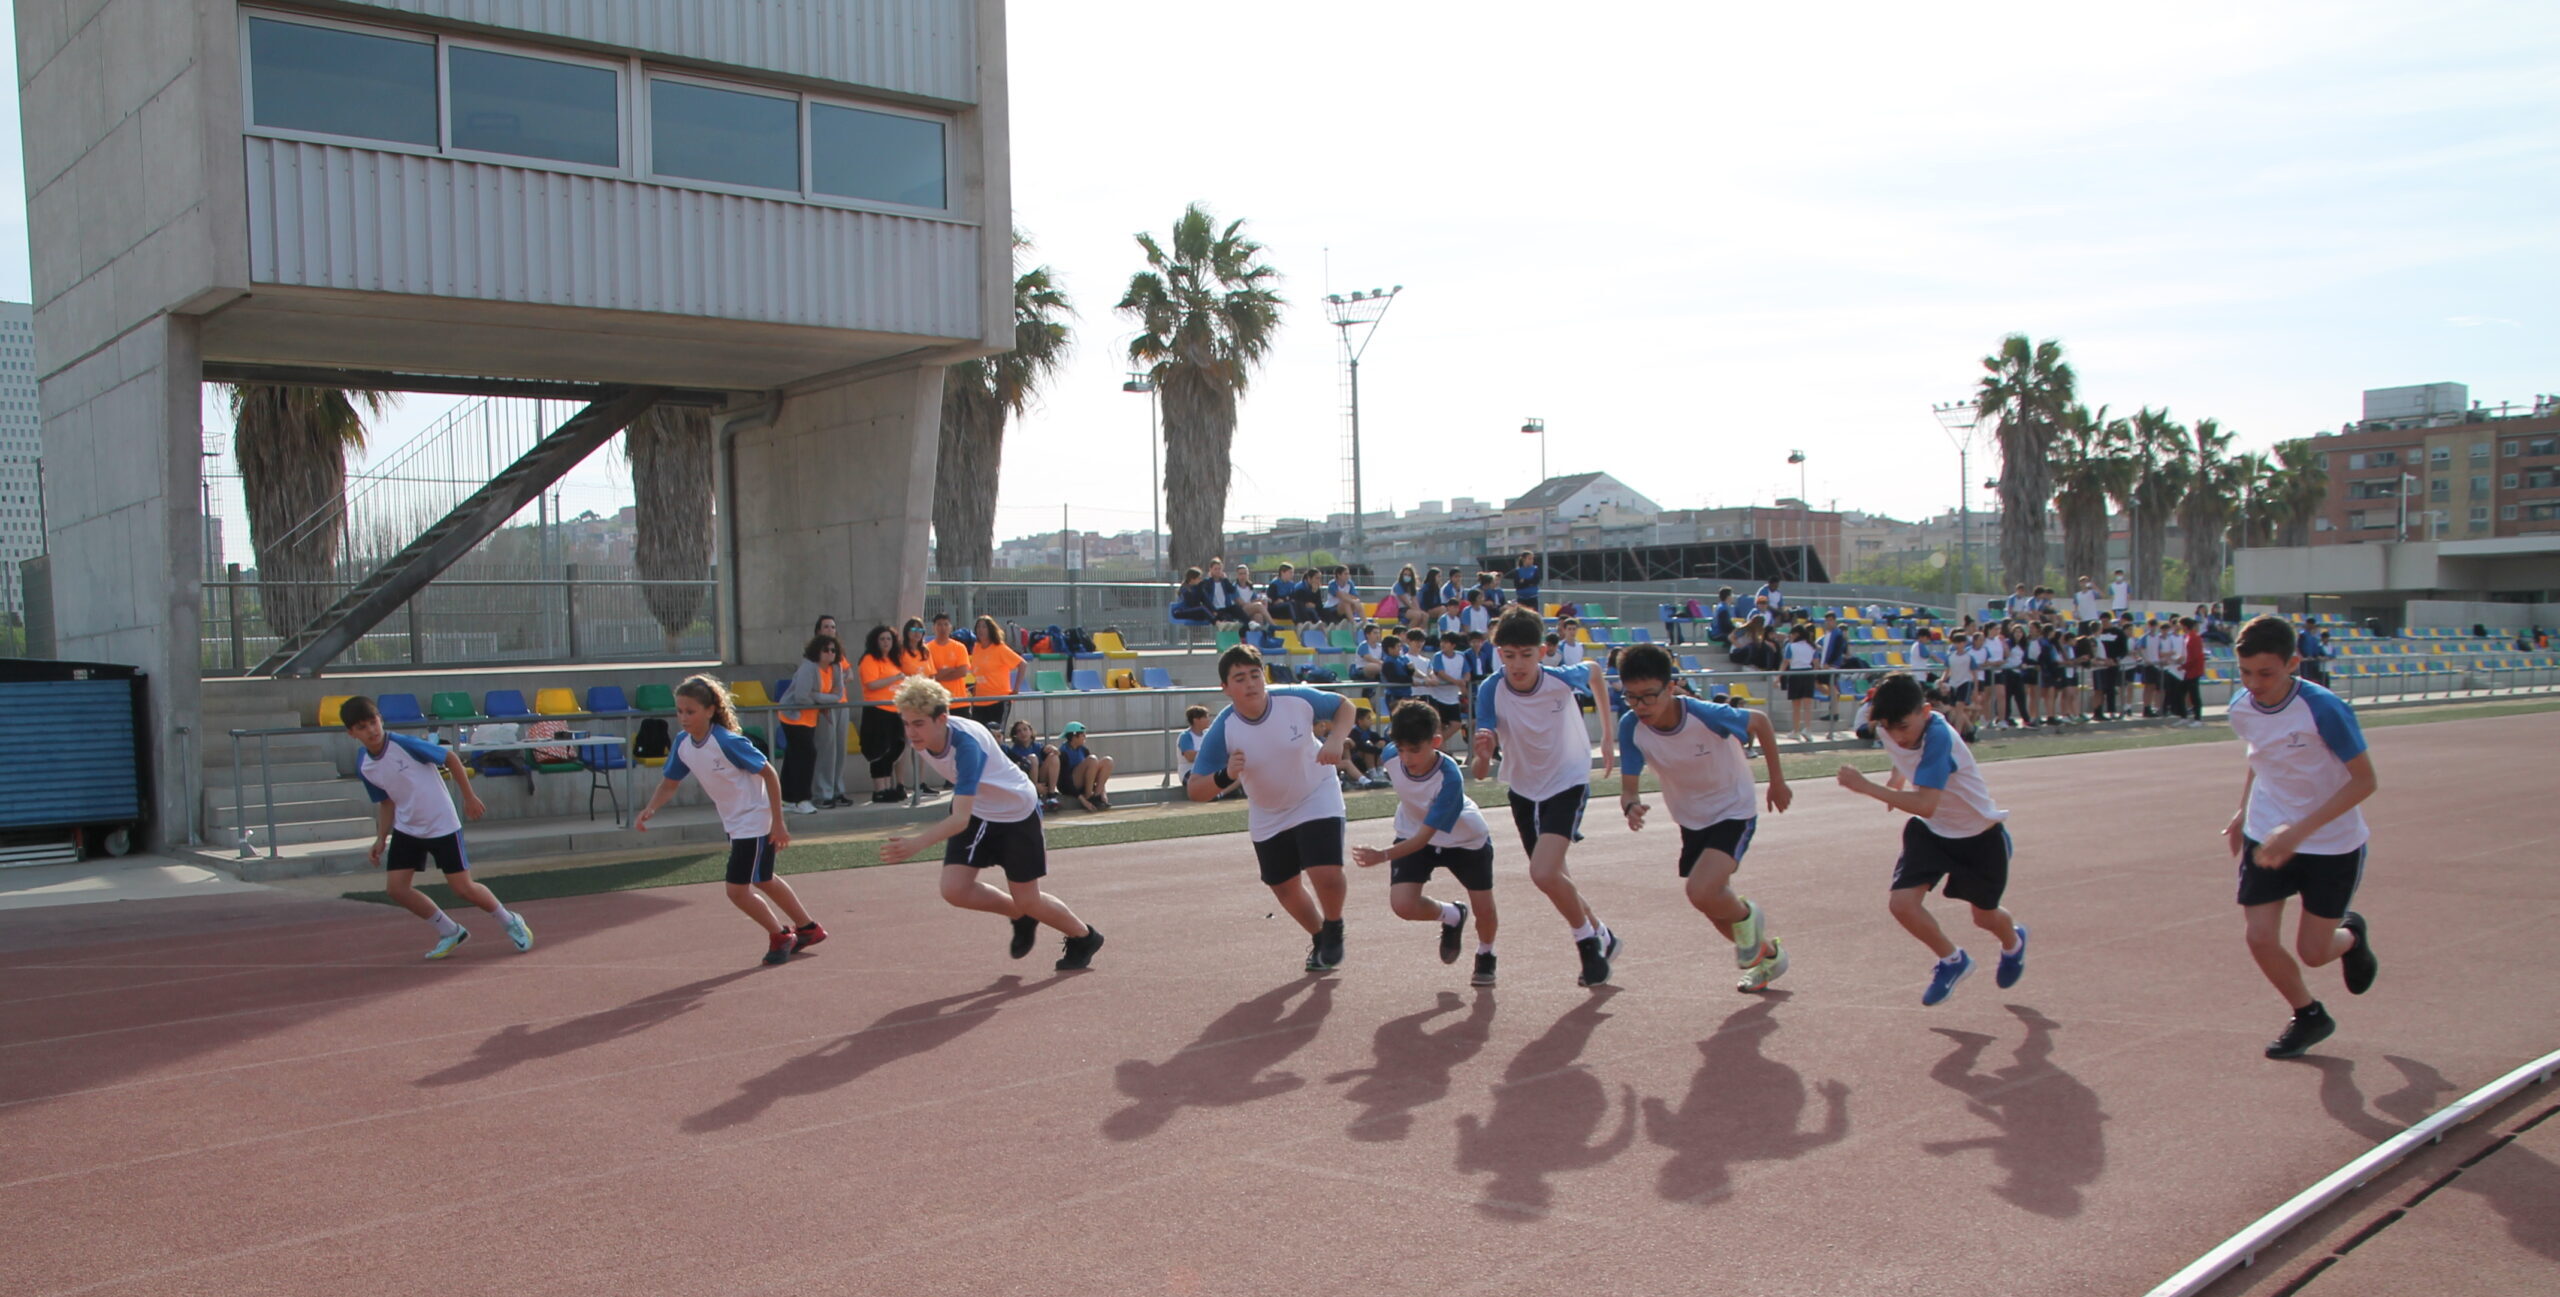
(521,933)
(445,944)
(1944,978)
(2013,967)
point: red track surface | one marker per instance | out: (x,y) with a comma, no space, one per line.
(283,1099)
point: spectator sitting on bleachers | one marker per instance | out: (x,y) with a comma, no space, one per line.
(1373,650)
(1191,599)
(1720,617)
(1037,759)
(1083,771)
(1363,752)
(1195,720)
(1228,602)
(1342,598)
(1395,671)
(1303,600)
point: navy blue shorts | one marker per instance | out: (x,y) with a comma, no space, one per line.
(1471,866)
(750,861)
(1976,868)
(1560,815)
(1018,848)
(406,852)
(1316,844)
(1732,837)
(2326,883)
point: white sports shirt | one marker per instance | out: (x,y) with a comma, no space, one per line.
(1438,799)
(976,768)
(1284,785)
(407,776)
(1705,778)
(731,770)
(1942,761)
(2298,755)
(1545,747)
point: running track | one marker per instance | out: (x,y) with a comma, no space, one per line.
(276,1096)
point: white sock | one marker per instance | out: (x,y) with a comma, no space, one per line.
(1484,947)
(1587,931)
(445,925)
(1450,914)
(1955,958)
(501,913)
(2013,946)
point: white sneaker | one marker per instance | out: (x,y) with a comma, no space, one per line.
(802,808)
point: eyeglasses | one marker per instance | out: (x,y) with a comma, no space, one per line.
(1645,699)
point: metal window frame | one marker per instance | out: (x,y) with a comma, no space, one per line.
(809,147)
(623,129)
(249,86)
(648,163)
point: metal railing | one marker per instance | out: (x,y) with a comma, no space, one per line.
(586,614)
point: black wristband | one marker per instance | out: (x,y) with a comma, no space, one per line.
(1223,780)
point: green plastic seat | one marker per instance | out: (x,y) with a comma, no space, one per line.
(655,698)
(1229,637)
(1049,682)
(452,707)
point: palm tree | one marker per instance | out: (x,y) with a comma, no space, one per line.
(2024,392)
(2162,463)
(670,454)
(2206,511)
(2297,491)
(978,396)
(1207,314)
(291,444)
(2253,477)
(2086,471)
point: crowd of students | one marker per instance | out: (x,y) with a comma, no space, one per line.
(1414,601)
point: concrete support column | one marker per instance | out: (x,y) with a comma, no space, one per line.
(123,437)
(834,505)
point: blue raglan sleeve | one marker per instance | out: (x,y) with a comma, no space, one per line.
(372,791)
(1326,706)
(419,748)
(675,761)
(2337,722)
(968,765)
(1731,722)
(741,753)
(1447,803)
(1630,757)
(1937,757)
(1213,746)
(1486,718)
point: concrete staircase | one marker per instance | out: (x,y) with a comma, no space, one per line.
(314,802)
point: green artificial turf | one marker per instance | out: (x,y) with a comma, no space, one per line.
(817,857)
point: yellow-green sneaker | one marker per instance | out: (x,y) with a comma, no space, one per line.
(519,931)
(445,944)
(1759,975)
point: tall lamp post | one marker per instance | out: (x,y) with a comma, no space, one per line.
(1140,382)
(1538,428)
(1345,313)
(1804,521)
(1961,420)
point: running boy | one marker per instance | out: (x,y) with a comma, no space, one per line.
(1532,713)
(1955,833)
(1437,827)
(1695,749)
(744,789)
(994,823)
(414,823)
(1265,739)
(2298,830)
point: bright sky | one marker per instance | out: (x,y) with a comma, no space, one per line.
(1694,242)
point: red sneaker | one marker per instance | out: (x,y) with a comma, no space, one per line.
(809,934)
(782,944)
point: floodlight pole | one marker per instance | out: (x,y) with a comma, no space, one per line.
(1143,381)
(1953,415)
(1346,312)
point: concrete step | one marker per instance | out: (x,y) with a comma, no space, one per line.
(348,791)
(347,830)
(222,814)
(279,772)
(292,747)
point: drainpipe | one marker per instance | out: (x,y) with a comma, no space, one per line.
(725,427)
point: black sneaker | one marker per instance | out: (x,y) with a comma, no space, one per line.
(2358,963)
(1329,943)
(1315,956)
(2309,1027)
(1484,969)
(1452,935)
(1595,959)
(1079,950)
(1025,930)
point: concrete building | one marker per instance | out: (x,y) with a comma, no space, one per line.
(21,451)
(797,209)
(1788,524)
(2427,464)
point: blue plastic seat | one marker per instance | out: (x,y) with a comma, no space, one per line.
(1086,681)
(396,708)
(606,699)
(505,705)
(1155,678)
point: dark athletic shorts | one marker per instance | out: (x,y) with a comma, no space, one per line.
(1292,851)
(2324,882)
(1018,848)
(750,861)
(1801,684)
(2053,677)
(406,852)
(1560,815)
(1450,713)
(1732,837)
(1471,866)
(1960,694)
(1976,868)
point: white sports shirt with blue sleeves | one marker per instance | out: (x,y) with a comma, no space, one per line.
(405,775)
(732,772)
(977,769)
(1705,779)
(1284,785)
(1440,800)
(1545,747)
(2298,755)
(1942,761)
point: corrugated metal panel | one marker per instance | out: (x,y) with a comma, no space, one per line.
(918,47)
(66,753)
(329,217)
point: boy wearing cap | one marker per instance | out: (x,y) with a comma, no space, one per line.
(1083,771)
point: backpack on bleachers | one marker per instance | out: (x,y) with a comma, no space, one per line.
(652,740)
(1079,642)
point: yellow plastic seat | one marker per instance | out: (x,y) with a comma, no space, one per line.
(1123,678)
(329,709)
(1111,645)
(556,702)
(747,693)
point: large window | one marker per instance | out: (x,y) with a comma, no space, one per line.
(883,157)
(331,81)
(728,137)
(535,108)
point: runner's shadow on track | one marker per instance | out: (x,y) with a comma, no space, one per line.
(1742,1106)
(519,1043)
(1413,1066)
(1548,1114)
(899,1033)
(2400,1109)
(1227,1064)
(2049,1142)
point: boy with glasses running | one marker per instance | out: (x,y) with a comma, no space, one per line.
(1695,749)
